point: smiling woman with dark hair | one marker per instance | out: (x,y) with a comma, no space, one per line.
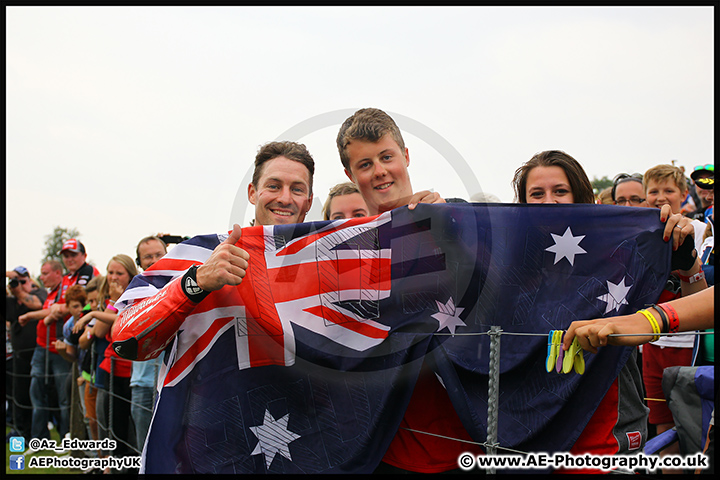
(619,424)
(552,176)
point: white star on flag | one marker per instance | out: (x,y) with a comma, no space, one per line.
(566,246)
(448,316)
(273,437)
(615,296)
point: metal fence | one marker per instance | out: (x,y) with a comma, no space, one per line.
(80,422)
(78,416)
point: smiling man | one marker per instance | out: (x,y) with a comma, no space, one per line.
(281,191)
(375,158)
(373,153)
(281,187)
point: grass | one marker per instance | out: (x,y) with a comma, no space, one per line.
(42,453)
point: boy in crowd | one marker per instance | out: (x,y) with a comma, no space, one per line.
(67,347)
(86,344)
(75,299)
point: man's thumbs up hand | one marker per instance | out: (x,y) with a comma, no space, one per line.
(226,265)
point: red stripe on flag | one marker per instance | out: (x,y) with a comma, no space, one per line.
(176,264)
(265,335)
(195,349)
(347,322)
(303,242)
(299,281)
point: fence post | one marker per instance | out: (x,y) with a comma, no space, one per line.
(493,392)
(111,393)
(47,355)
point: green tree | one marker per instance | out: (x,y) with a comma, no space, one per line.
(601,184)
(54,241)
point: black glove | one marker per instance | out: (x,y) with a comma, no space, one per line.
(684,257)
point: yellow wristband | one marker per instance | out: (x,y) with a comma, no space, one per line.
(653,323)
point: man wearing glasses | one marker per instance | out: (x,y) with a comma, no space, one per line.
(23,288)
(703,178)
(144,374)
(627,190)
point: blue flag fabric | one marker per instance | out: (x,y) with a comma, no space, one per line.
(403,287)
(538,269)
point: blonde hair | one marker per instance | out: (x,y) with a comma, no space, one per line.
(338,190)
(661,173)
(605,196)
(94,284)
(104,290)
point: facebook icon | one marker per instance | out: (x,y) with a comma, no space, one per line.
(17,462)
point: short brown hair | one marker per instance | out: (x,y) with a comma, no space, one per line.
(370,125)
(76,293)
(337,191)
(290,150)
(54,264)
(660,173)
(580,185)
(149,238)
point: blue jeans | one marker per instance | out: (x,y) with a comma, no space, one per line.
(141,411)
(58,371)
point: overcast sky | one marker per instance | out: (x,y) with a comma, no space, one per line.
(124,122)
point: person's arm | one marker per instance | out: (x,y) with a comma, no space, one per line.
(58,311)
(104,317)
(82,322)
(86,339)
(692,280)
(25,293)
(28,299)
(695,312)
(102,328)
(34,315)
(65,351)
(678,227)
(145,328)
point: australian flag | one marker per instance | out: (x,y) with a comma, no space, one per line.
(308,365)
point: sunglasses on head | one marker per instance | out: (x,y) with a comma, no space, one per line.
(622,178)
(626,176)
(709,166)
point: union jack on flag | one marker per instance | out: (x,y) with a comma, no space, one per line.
(330,282)
(308,365)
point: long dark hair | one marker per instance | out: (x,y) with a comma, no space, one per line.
(580,185)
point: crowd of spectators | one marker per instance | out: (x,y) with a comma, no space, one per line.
(60,372)
(58,329)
